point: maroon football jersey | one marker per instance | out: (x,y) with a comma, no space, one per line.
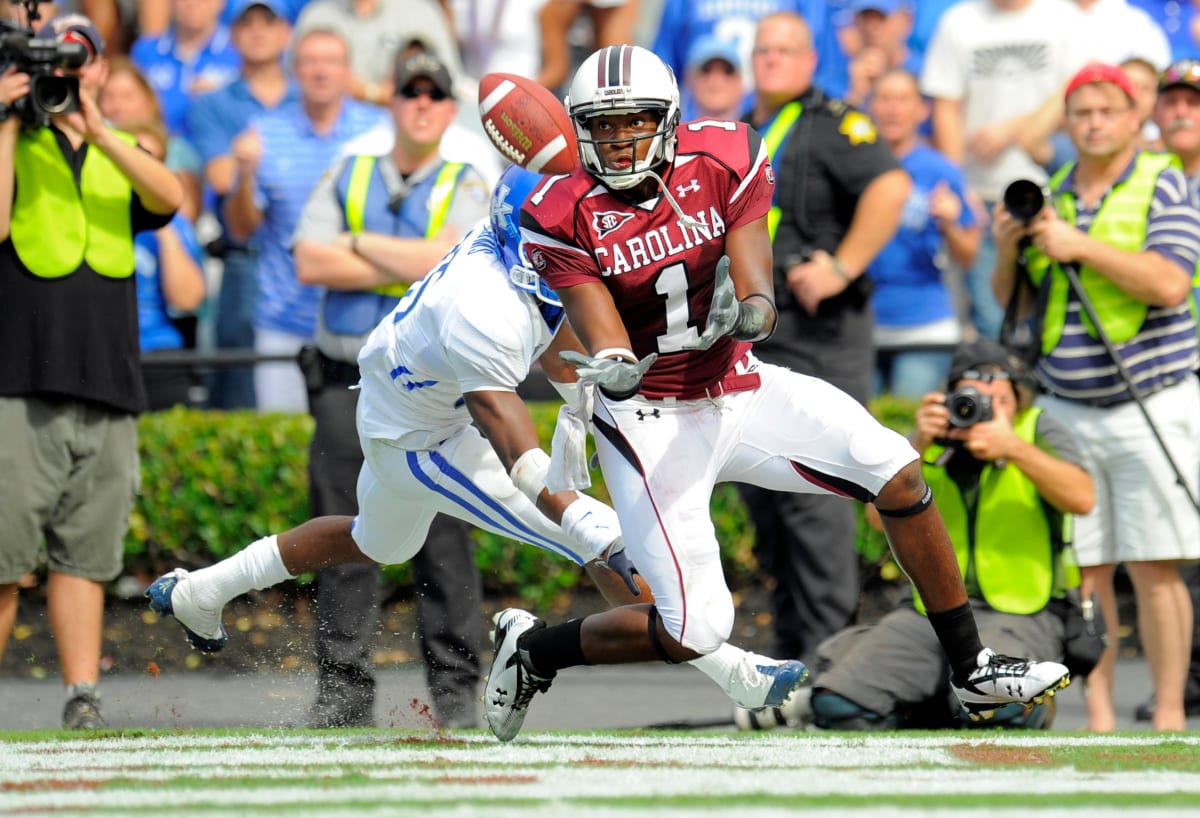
(658,268)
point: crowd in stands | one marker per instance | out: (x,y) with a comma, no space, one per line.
(213,75)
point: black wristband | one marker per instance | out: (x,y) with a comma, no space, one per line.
(751,323)
(613,395)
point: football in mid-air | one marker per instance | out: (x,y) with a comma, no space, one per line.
(527,124)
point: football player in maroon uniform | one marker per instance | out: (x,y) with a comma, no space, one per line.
(659,250)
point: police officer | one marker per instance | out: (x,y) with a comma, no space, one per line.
(373,225)
(73,192)
(838,201)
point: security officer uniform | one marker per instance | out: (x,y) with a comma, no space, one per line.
(369,194)
(825,154)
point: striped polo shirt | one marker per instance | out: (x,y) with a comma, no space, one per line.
(293,158)
(1164,350)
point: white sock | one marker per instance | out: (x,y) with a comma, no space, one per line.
(720,665)
(256,566)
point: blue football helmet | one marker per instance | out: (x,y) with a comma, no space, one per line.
(511,191)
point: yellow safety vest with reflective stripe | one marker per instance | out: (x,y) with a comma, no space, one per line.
(440,198)
(1006,545)
(1121,223)
(773,138)
(57,225)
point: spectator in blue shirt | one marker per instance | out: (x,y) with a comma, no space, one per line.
(939,233)
(193,56)
(683,22)
(260,36)
(278,159)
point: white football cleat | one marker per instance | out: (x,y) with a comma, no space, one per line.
(511,684)
(760,682)
(999,680)
(171,595)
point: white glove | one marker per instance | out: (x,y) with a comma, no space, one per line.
(617,377)
(723,314)
(592,525)
(568,450)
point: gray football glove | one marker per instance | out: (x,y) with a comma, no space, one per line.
(723,314)
(616,377)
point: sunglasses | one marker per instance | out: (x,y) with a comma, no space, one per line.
(984,376)
(1180,71)
(412,92)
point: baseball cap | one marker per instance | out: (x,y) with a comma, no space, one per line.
(981,354)
(1184,73)
(74,28)
(708,48)
(1100,72)
(240,7)
(881,6)
(424,64)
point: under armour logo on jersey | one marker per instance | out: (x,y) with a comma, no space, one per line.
(606,221)
(653,413)
(682,190)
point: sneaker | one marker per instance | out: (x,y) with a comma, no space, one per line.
(511,684)
(999,680)
(82,711)
(170,595)
(760,682)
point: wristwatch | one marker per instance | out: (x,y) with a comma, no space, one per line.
(5,111)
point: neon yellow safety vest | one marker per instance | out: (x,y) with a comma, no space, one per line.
(1120,222)
(57,225)
(440,198)
(773,138)
(1008,546)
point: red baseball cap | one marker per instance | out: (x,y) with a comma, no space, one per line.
(1100,72)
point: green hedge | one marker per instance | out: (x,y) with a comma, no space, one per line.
(212,482)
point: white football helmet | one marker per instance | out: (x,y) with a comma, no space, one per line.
(622,79)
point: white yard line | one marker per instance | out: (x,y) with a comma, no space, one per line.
(311,771)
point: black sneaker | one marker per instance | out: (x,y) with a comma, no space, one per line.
(82,711)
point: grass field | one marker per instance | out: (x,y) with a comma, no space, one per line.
(375,772)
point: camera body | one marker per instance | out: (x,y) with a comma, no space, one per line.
(968,406)
(41,58)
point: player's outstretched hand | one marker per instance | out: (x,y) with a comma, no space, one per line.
(615,376)
(723,314)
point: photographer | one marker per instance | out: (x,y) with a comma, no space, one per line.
(1127,223)
(73,193)
(1006,475)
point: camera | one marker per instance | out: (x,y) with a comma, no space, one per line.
(1024,199)
(968,406)
(41,57)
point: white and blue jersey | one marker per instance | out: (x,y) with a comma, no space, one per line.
(463,328)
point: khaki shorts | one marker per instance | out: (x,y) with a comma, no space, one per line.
(68,474)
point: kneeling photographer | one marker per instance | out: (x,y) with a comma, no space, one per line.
(72,194)
(1005,477)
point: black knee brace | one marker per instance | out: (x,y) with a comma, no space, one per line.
(916,508)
